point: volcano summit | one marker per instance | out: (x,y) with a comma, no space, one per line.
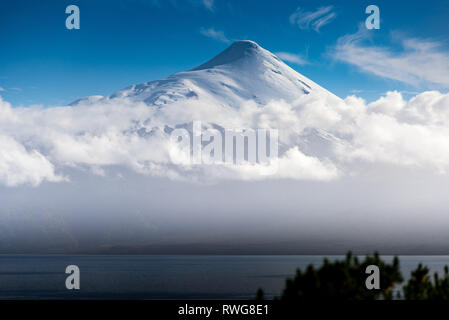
(244,71)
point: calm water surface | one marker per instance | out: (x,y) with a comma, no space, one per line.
(163,277)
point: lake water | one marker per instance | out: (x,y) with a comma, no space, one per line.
(163,277)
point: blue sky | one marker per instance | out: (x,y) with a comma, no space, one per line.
(123,42)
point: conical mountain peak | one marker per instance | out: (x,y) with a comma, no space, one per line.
(242,49)
(244,71)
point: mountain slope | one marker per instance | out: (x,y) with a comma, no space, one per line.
(244,71)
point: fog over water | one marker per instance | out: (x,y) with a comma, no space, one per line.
(404,213)
(100,176)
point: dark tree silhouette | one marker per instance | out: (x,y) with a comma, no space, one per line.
(420,286)
(345,280)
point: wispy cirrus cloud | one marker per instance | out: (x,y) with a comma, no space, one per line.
(420,62)
(214,34)
(292,58)
(313,19)
(209,4)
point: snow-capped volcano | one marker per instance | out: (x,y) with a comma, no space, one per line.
(244,71)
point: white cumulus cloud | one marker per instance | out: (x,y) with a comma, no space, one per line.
(321,138)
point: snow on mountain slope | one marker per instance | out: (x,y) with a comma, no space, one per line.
(87,100)
(321,137)
(245,71)
(246,87)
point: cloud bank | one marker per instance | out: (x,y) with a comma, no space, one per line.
(320,137)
